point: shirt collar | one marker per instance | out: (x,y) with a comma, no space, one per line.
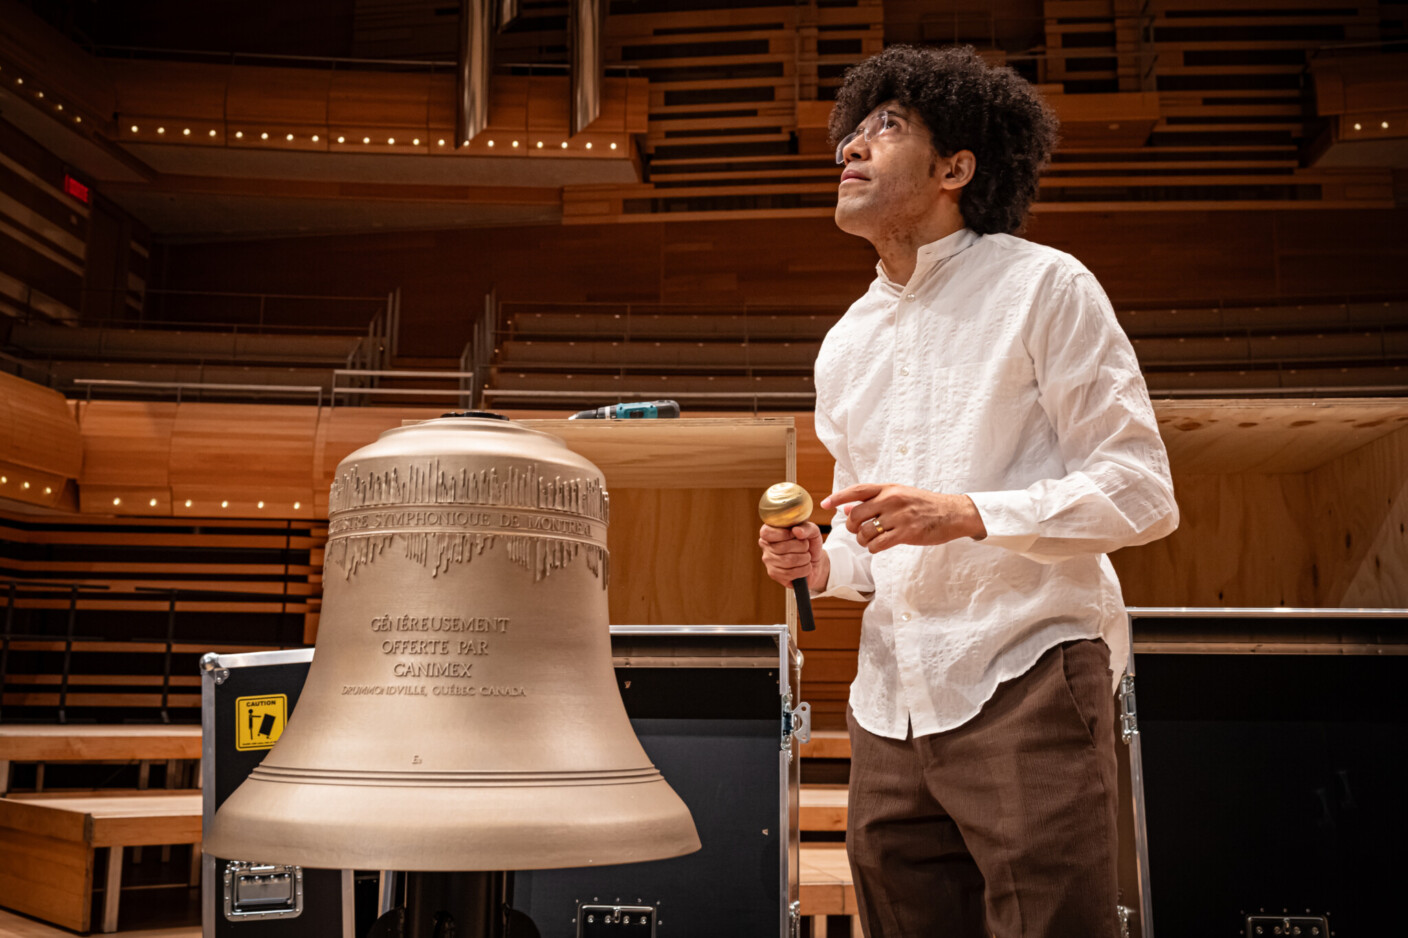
(936,251)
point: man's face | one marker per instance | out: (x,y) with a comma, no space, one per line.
(891,181)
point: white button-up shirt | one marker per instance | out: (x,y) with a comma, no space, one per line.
(1000,372)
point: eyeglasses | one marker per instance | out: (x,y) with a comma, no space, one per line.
(870,128)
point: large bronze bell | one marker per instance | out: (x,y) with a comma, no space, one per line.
(461,712)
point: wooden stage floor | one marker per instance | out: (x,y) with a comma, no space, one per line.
(20,926)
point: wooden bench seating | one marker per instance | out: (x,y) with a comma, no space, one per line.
(108,681)
(798,325)
(658,354)
(48,845)
(24,744)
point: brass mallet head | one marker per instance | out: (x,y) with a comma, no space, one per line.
(784,505)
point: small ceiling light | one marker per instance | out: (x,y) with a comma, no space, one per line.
(224,504)
(261,504)
(239,135)
(19,81)
(297,505)
(186,132)
(440,143)
(48,490)
(4,480)
(39,94)
(134,128)
(415,142)
(161,130)
(390,141)
(59,107)
(212,133)
(117,501)
(152,503)
(589,145)
(26,485)
(540,144)
(466,143)
(264,135)
(491,143)
(341,139)
(366,139)
(515,143)
(188,503)
(289,137)
(613,146)
(564,144)
(315,138)
(1384,125)
(78,120)
(1358,126)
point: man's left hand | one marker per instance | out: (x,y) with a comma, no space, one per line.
(883,516)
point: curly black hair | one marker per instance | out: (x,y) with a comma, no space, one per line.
(967,105)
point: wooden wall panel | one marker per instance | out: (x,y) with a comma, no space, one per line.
(40,447)
(126,442)
(243,455)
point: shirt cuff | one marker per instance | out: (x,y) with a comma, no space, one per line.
(843,577)
(1010,518)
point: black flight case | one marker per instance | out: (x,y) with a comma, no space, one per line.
(1266,772)
(715,708)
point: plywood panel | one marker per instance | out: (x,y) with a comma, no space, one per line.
(1271,436)
(1243,540)
(683,556)
(1359,503)
(689,453)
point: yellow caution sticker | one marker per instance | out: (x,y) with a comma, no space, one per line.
(259,721)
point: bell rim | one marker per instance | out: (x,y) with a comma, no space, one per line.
(292,775)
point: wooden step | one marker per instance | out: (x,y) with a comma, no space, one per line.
(826,887)
(827,744)
(823,808)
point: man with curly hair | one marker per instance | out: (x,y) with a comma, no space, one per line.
(994,441)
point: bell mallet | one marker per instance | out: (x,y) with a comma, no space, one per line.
(782,506)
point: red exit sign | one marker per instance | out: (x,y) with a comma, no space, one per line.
(76,189)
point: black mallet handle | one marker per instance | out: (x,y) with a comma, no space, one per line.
(803,592)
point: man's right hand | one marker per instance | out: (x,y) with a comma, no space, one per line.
(790,553)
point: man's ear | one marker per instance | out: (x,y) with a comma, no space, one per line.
(960,169)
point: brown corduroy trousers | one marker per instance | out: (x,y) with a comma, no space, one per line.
(1005,826)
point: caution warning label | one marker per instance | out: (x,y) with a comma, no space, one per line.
(259,721)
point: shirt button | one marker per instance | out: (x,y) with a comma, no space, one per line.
(909,296)
(904,372)
(904,616)
(903,449)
